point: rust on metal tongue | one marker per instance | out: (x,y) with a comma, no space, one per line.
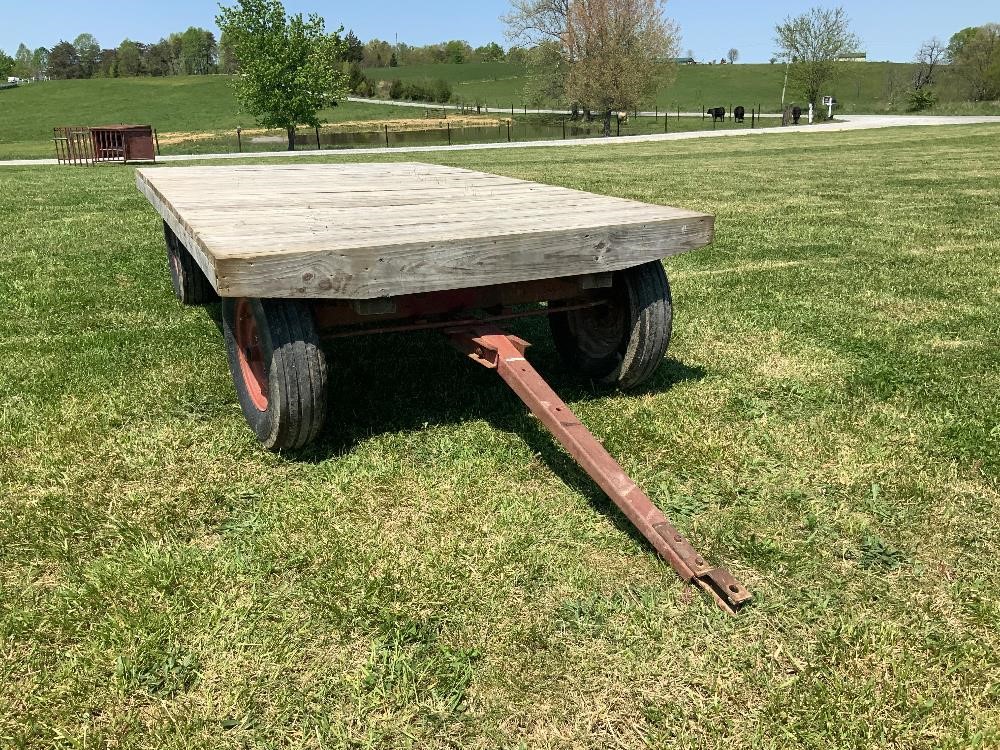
(496,350)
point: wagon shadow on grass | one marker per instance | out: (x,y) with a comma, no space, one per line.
(406,382)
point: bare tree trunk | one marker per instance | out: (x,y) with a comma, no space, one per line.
(291,139)
(607,123)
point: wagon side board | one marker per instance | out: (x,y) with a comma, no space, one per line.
(182,231)
(363,231)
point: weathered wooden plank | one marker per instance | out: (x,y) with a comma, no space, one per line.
(370,230)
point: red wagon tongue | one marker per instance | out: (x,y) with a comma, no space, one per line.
(505,354)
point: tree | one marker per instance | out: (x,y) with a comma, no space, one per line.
(812,42)
(22,67)
(517,57)
(63,61)
(547,72)
(958,41)
(199,52)
(129,58)
(733,55)
(7,64)
(89,53)
(457,51)
(40,63)
(377,53)
(490,53)
(534,21)
(159,59)
(228,62)
(289,65)
(354,50)
(108,65)
(393,61)
(616,51)
(976,59)
(928,59)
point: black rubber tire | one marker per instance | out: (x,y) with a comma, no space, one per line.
(296,368)
(191,286)
(622,343)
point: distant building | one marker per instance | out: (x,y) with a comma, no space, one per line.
(684,61)
(13,79)
(853,57)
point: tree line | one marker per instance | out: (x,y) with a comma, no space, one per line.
(191,52)
(377,53)
(197,52)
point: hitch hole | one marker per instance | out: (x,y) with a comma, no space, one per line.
(734,589)
(678,538)
(699,561)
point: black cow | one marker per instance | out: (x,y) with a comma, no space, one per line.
(796,114)
(738,114)
(718,113)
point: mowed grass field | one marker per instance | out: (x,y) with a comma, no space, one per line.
(435,573)
(192,105)
(859,88)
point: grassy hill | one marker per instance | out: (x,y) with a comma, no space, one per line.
(860,88)
(179,104)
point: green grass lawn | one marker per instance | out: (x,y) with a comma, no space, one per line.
(435,573)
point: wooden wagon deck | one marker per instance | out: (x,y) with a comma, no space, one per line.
(361,231)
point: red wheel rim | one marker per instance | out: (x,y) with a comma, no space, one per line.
(251,357)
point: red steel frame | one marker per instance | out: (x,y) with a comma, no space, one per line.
(504,353)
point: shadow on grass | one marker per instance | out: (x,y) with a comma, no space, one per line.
(395,383)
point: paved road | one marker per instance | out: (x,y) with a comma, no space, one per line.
(847,122)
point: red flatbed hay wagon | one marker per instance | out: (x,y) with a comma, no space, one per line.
(299,253)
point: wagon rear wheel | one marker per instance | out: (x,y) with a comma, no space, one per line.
(278,368)
(191,286)
(620,343)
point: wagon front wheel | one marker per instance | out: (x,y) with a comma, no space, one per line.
(278,368)
(622,342)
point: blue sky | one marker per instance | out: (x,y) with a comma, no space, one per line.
(890,30)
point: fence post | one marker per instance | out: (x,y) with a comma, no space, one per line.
(239,140)
(156,137)
(449,133)
(508,131)
(564,128)
(319,146)
(386,125)
(666,120)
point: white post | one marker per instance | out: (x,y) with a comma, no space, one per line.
(810,113)
(829,115)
